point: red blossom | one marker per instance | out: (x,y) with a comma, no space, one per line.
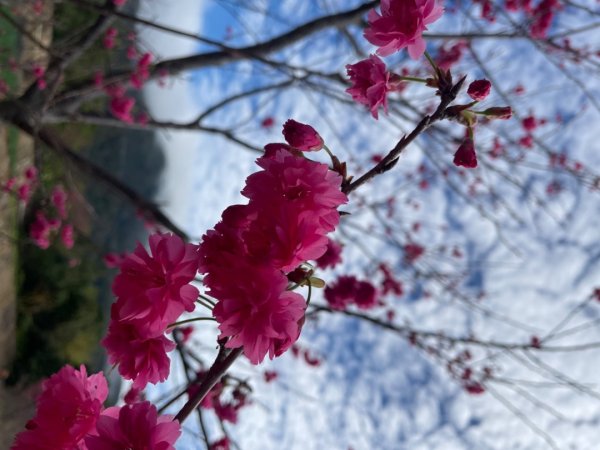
(348,290)
(141,359)
(292,205)
(479,89)
(401,24)
(154,288)
(301,136)
(221,444)
(370,83)
(110,37)
(67,410)
(412,252)
(270,375)
(135,427)
(267,122)
(66,236)
(447,57)
(529,123)
(121,107)
(474,388)
(332,256)
(465,156)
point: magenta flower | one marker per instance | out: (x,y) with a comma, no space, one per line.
(308,186)
(154,288)
(366,296)
(134,427)
(465,156)
(221,444)
(121,107)
(58,197)
(348,290)
(479,89)
(332,256)
(259,314)
(66,236)
(301,136)
(293,205)
(141,359)
(370,83)
(401,25)
(67,410)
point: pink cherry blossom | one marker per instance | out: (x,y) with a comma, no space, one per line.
(292,206)
(31,174)
(370,83)
(58,197)
(479,89)
(307,185)
(121,107)
(154,287)
(39,231)
(348,290)
(24,192)
(134,395)
(413,252)
(142,72)
(221,444)
(267,122)
(366,296)
(465,156)
(66,236)
(67,410)
(390,284)
(269,322)
(110,37)
(141,359)
(401,25)
(529,123)
(449,55)
(332,256)
(341,293)
(134,427)
(301,136)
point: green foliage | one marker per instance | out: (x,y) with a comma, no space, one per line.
(59,316)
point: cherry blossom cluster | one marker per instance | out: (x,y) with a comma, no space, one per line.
(348,290)
(292,207)
(70,415)
(22,187)
(399,25)
(539,17)
(152,289)
(47,222)
(225,410)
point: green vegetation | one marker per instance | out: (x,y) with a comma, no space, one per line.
(59,317)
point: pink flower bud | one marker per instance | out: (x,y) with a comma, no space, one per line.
(31,173)
(465,155)
(479,89)
(301,136)
(498,112)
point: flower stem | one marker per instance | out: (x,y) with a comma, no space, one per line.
(181,322)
